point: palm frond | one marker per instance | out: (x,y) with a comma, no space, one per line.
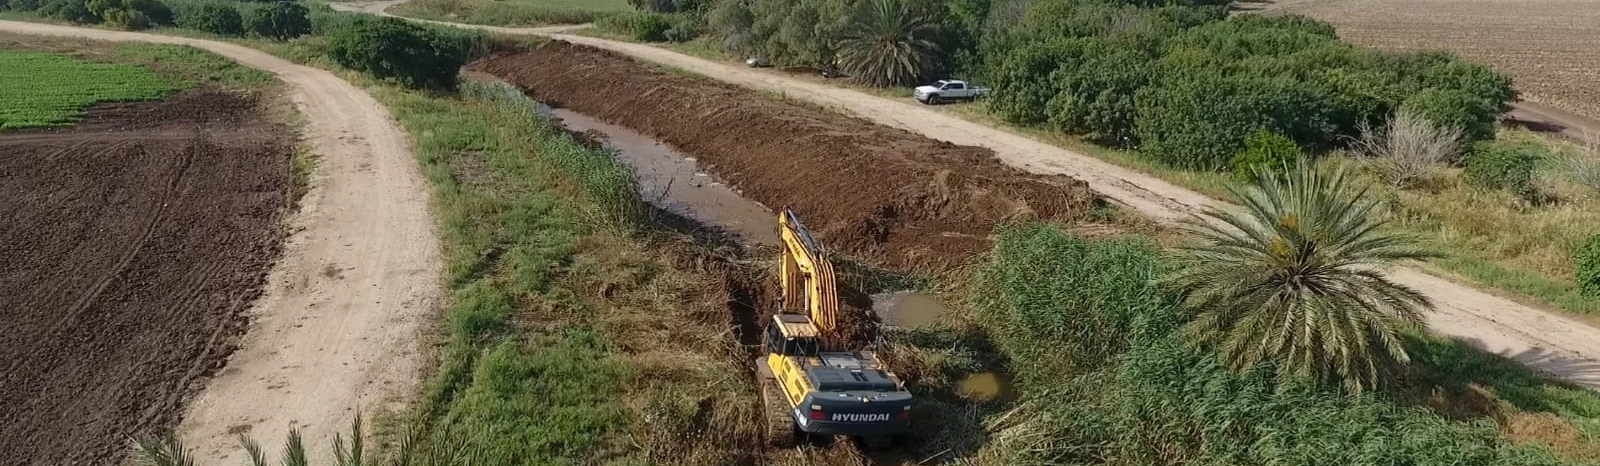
(1292,279)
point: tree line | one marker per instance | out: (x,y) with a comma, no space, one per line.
(1181,81)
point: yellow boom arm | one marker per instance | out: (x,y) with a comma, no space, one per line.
(808,280)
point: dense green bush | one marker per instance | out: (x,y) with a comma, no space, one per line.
(1200,121)
(211,16)
(391,48)
(1502,165)
(1106,379)
(1187,85)
(641,26)
(131,14)
(76,11)
(1587,263)
(1265,150)
(279,20)
(1089,300)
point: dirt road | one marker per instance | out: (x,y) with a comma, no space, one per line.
(1542,339)
(336,327)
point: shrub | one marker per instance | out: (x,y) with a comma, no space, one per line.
(213,17)
(131,14)
(1587,262)
(280,21)
(1199,122)
(1096,93)
(1457,109)
(641,26)
(1501,165)
(393,48)
(76,11)
(1263,151)
(1409,147)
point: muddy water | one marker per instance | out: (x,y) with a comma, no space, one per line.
(908,308)
(672,181)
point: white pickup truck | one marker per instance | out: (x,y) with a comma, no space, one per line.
(946,90)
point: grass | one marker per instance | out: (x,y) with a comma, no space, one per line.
(512,12)
(574,334)
(1141,395)
(193,65)
(39,89)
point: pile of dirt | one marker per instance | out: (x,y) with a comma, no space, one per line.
(133,244)
(899,199)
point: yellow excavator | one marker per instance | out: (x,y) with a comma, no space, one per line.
(808,386)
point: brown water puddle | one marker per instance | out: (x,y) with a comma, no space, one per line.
(908,308)
(671,180)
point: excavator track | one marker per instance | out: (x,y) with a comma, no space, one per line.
(780,424)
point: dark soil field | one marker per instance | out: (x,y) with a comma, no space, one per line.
(132,245)
(896,198)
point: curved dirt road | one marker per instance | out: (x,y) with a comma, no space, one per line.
(336,328)
(1544,340)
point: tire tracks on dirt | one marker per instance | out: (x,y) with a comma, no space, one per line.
(336,329)
(1544,340)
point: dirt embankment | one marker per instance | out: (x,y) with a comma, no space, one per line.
(897,198)
(133,243)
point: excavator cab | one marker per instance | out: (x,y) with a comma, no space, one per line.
(807,386)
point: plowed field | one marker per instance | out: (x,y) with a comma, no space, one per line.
(886,194)
(132,243)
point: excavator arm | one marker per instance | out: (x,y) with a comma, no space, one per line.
(808,280)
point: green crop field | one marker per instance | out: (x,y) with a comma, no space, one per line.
(44,89)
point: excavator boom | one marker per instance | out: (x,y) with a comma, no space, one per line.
(808,280)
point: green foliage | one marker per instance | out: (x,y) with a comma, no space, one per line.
(1456,109)
(192,64)
(1200,121)
(131,15)
(1587,262)
(45,89)
(888,44)
(1095,93)
(642,26)
(1187,84)
(1505,165)
(1152,399)
(1091,300)
(215,17)
(784,32)
(1264,151)
(391,48)
(1291,281)
(76,11)
(278,21)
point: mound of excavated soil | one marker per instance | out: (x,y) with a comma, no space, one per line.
(132,244)
(898,198)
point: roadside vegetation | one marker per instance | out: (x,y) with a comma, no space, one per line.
(1186,92)
(513,12)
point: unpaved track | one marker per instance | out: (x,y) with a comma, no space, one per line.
(1544,340)
(336,328)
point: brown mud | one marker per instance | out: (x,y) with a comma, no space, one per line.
(897,199)
(132,245)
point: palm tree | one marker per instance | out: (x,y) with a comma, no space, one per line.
(1293,280)
(887,44)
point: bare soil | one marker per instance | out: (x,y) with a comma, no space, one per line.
(134,242)
(881,193)
(337,327)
